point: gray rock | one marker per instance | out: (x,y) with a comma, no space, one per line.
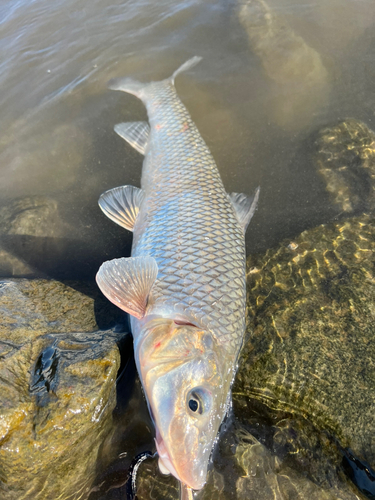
(265,475)
(57,390)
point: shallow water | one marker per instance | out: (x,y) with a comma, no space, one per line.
(258,117)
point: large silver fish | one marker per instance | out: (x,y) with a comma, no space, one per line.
(184,285)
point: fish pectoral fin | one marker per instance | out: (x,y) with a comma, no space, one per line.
(121,204)
(135,133)
(127,282)
(244,206)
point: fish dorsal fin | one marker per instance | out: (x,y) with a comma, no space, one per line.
(127,282)
(121,204)
(245,206)
(135,133)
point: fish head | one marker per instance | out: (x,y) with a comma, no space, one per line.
(186,377)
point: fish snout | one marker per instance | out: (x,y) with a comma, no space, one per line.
(189,472)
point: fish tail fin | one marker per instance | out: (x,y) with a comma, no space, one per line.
(137,88)
(190,63)
(127,85)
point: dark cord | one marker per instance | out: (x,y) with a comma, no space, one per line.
(131,486)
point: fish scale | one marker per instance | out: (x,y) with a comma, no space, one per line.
(188,224)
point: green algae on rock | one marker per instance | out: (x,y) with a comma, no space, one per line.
(311,336)
(57,390)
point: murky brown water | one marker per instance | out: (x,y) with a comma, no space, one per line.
(267,83)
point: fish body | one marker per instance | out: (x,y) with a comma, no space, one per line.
(184,285)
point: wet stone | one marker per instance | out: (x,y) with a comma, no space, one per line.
(266,475)
(57,386)
(310,344)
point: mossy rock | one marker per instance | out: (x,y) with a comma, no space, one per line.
(310,345)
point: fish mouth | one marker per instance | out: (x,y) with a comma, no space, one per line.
(166,466)
(165,462)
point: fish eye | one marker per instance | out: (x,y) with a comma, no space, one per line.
(198,401)
(193,404)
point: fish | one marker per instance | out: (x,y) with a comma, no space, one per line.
(184,285)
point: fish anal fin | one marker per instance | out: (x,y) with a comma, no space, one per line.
(121,205)
(245,206)
(127,282)
(135,133)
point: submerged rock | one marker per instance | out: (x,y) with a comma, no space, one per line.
(32,222)
(262,473)
(311,345)
(346,161)
(33,215)
(57,390)
(295,67)
(38,156)
(310,348)
(243,468)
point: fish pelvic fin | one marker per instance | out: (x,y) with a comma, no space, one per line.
(134,133)
(138,88)
(121,205)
